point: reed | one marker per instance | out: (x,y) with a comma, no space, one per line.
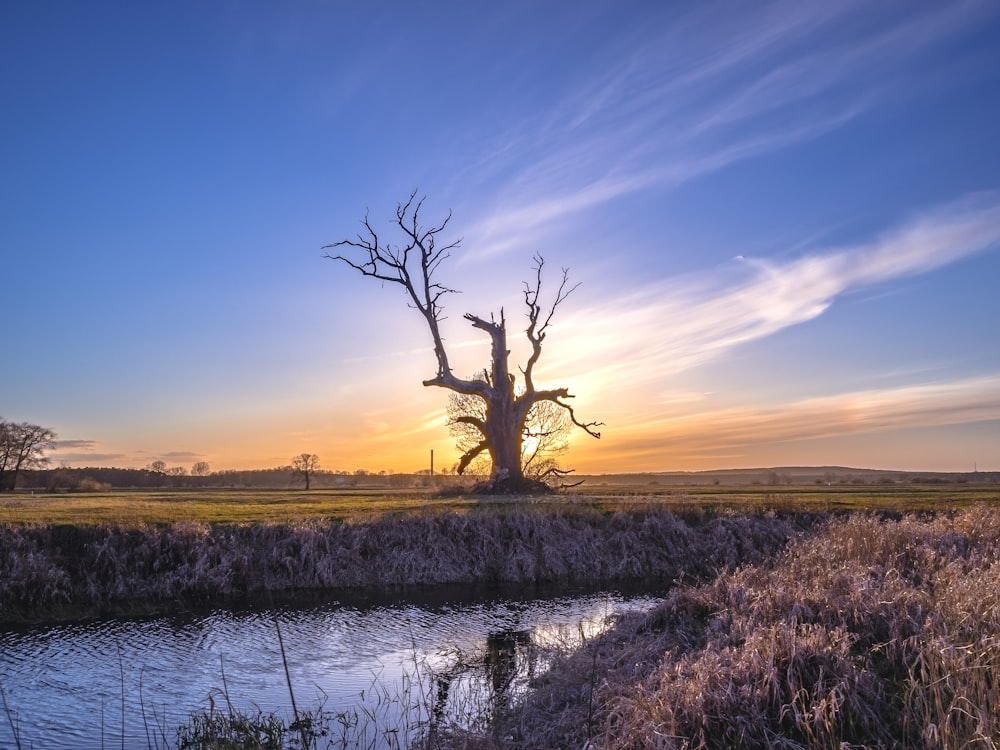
(871,632)
(409,714)
(874,630)
(11,720)
(65,571)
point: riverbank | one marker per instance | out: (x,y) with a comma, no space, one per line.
(50,572)
(799,630)
(869,632)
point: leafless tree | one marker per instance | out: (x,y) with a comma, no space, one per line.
(305,464)
(200,469)
(22,446)
(413,266)
(157,467)
(545,437)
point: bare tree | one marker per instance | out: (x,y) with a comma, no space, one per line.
(305,464)
(22,446)
(544,439)
(413,266)
(201,469)
(157,467)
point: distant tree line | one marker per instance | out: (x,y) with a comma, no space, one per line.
(98,479)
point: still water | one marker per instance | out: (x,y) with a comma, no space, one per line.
(88,685)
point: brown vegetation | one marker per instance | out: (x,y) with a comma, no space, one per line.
(64,570)
(778,630)
(870,633)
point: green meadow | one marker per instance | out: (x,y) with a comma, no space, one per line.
(276,506)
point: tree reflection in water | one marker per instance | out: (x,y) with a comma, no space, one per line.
(483,685)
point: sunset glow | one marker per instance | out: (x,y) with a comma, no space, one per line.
(785,219)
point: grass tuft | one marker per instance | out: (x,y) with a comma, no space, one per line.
(870,632)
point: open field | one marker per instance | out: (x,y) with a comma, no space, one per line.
(128,507)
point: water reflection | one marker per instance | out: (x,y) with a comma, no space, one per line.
(485,682)
(87,685)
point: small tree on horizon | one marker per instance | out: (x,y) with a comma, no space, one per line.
(157,467)
(305,464)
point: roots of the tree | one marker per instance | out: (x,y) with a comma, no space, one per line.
(505,486)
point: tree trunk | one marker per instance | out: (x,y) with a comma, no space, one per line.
(505,415)
(504,433)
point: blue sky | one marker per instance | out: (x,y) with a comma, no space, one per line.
(785,217)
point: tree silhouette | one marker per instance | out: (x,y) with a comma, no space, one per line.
(414,266)
(305,464)
(22,446)
(544,439)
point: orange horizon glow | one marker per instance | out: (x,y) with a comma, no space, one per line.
(833,430)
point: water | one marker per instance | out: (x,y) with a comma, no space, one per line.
(66,686)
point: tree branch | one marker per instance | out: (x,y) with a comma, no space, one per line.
(391,264)
(470,420)
(536,331)
(467,459)
(560,393)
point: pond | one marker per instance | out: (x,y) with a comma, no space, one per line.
(445,654)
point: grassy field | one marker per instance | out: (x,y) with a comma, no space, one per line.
(126,507)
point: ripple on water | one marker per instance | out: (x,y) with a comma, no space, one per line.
(64,684)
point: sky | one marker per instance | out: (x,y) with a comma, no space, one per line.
(784,218)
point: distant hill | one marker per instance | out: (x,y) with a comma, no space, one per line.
(784,475)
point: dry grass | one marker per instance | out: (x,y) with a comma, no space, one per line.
(48,571)
(129,507)
(869,633)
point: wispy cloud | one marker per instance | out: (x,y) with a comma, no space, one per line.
(85,453)
(680,323)
(63,445)
(730,430)
(688,96)
(385,430)
(96,453)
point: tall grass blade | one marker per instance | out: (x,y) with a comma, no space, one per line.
(10,720)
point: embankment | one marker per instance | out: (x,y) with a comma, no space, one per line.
(868,632)
(69,571)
